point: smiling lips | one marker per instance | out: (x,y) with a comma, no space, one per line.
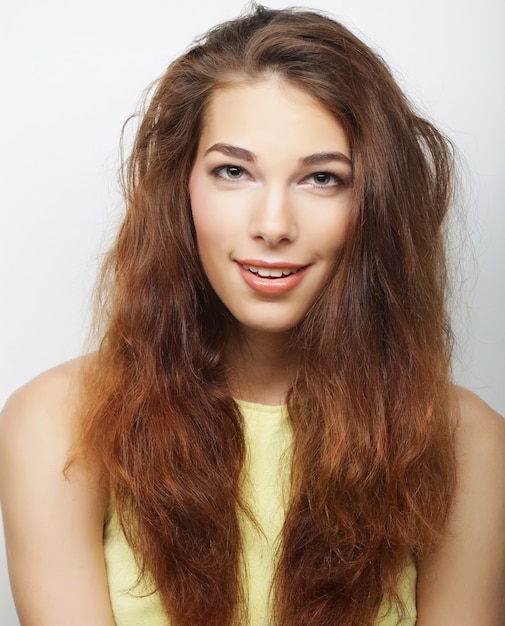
(271,279)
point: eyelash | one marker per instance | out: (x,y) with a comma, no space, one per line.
(338,181)
(218,172)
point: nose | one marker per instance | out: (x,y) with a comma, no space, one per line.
(273,218)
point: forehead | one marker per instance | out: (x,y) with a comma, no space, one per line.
(268,111)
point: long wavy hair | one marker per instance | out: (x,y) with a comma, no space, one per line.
(373,467)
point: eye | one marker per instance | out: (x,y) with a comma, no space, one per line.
(323,180)
(229,172)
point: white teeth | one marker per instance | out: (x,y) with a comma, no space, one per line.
(269,273)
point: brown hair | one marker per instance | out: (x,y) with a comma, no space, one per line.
(373,467)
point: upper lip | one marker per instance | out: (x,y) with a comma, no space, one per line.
(270,265)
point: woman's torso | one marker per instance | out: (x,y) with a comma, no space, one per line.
(268,439)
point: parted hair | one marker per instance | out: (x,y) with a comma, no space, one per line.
(373,469)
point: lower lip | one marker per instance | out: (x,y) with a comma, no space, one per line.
(272,286)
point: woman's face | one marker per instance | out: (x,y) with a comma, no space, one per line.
(271,196)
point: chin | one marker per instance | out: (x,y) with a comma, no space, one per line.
(269,326)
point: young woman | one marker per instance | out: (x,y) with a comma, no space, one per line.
(267,433)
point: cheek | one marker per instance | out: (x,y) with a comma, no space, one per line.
(331,234)
(217,222)
(210,229)
(200,210)
(197,200)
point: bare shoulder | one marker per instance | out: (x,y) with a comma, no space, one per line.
(54,384)
(53,517)
(38,426)
(480,435)
(480,455)
(47,403)
(461,582)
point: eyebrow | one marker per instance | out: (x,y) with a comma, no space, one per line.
(232,151)
(246,155)
(324,157)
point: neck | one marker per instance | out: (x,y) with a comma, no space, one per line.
(262,367)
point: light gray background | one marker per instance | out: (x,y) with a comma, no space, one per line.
(73,72)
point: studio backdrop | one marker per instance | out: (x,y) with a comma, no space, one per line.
(72,73)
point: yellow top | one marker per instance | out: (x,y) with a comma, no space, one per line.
(268,437)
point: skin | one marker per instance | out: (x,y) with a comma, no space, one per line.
(53,523)
(256,198)
(275,192)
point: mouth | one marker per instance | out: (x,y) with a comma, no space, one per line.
(271,272)
(271,279)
